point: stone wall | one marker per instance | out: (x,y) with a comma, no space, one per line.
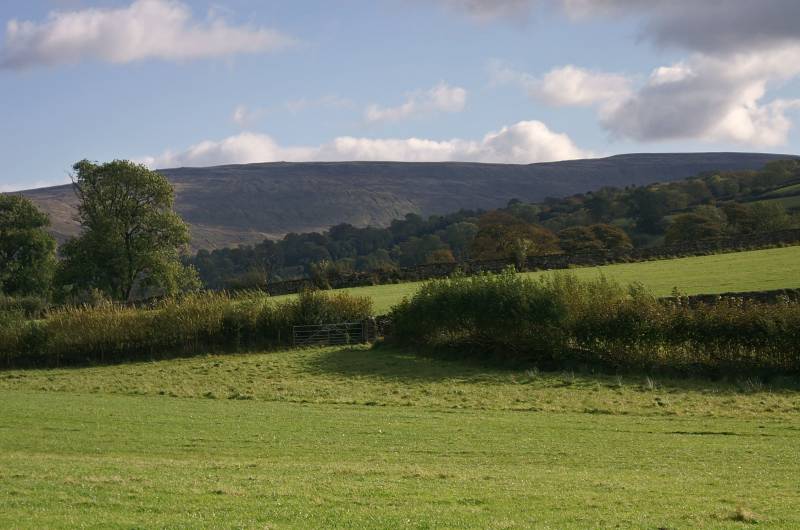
(547,262)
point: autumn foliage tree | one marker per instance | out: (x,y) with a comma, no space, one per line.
(504,236)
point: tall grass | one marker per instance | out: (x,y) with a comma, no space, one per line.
(559,321)
(193,324)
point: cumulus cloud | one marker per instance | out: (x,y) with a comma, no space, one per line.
(710,26)
(568,85)
(146,29)
(713,99)
(440,98)
(739,51)
(522,143)
(705,97)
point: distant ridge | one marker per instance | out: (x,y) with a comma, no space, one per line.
(233,204)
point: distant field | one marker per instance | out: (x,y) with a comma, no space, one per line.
(359,438)
(757,270)
(782,192)
(790,203)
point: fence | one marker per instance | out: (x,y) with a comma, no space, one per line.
(339,334)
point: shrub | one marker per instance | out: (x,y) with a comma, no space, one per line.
(559,321)
(28,306)
(192,324)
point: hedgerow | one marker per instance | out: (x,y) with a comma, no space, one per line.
(196,323)
(558,321)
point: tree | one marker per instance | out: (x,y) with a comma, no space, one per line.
(769,217)
(578,239)
(419,250)
(612,237)
(503,236)
(595,237)
(27,251)
(649,206)
(459,237)
(691,227)
(757,217)
(131,238)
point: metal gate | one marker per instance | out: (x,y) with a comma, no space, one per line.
(339,334)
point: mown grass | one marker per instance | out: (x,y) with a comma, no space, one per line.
(360,438)
(758,270)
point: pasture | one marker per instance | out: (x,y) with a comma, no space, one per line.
(757,270)
(381,438)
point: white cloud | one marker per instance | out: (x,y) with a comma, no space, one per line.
(577,86)
(567,85)
(440,98)
(740,49)
(522,143)
(705,97)
(146,29)
(712,99)
(710,26)
(707,26)
(245,117)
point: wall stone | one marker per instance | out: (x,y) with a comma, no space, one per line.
(547,262)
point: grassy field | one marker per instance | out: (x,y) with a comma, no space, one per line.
(792,189)
(790,203)
(758,270)
(359,438)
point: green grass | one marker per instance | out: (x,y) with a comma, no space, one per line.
(333,438)
(790,203)
(757,270)
(792,189)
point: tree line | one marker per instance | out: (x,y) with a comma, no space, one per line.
(133,245)
(706,206)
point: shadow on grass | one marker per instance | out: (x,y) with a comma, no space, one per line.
(391,363)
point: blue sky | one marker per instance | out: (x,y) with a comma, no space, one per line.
(194,82)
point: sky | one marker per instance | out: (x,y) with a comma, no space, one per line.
(172,83)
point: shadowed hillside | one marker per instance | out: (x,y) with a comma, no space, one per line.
(228,205)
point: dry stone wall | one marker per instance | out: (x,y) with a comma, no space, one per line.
(547,262)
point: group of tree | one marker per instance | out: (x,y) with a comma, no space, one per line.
(131,241)
(706,206)
(129,245)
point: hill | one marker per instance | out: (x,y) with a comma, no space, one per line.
(229,205)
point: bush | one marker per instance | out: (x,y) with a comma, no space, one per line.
(27,306)
(192,324)
(559,321)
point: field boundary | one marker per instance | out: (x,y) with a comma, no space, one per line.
(546,262)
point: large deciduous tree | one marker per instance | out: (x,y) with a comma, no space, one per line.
(27,251)
(691,227)
(131,238)
(504,236)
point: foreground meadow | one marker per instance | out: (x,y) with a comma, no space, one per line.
(756,270)
(381,438)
